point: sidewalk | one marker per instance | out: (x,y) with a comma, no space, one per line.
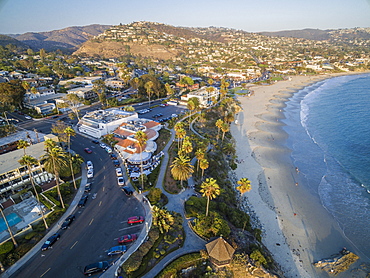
(15,267)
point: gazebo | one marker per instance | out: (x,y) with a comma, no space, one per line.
(220,252)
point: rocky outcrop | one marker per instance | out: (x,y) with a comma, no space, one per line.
(338,263)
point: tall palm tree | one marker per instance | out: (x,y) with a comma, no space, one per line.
(210,189)
(162,218)
(244,185)
(22,144)
(149,89)
(181,169)
(191,107)
(178,126)
(225,128)
(199,154)
(219,123)
(55,161)
(29,161)
(141,139)
(187,147)
(70,132)
(203,164)
(8,227)
(181,133)
(49,144)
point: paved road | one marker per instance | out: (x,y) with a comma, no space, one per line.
(97,225)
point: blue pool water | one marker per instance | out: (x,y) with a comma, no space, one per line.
(12,218)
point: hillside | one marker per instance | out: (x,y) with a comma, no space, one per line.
(5,40)
(67,39)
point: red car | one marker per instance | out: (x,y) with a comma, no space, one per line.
(87,150)
(135,219)
(127,238)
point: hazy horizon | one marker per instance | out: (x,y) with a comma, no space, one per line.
(16,17)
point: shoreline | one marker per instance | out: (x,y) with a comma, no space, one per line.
(296,228)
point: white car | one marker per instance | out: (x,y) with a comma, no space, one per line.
(103,145)
(28,117)
(90,173)
(89,165)
(119,172)
(120,181)
(108,149)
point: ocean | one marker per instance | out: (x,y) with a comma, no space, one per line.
(329,134)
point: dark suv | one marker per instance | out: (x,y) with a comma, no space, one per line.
(96,267)
(82,201)
(51,240)
(68,222)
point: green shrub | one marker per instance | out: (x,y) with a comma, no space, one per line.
(258,258)
(154,195)
(180,263)
(30,235)
(6,247)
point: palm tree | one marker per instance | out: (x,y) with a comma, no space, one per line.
(187,147)
(70,132)
(199,154)
(181,169)
(225,128)
(23,145)
(162,218)
(49,144)
(29,161)
(210,189)
(55,161)
(8,227)
(191,107)
(178,126)
(181,133)
(141,139)
(149,89)
(219,123)
(244,185)
(203,164)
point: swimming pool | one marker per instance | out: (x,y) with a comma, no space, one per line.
(12,218)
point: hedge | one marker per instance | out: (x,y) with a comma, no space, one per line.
(178,264)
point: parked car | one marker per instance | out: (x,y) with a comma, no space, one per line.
(116,163)
(89,165)
(121,181)
(119,172)
(82,201)
(135,219)
(50,241)
(108,149)
(87,150)
(127,238)
(68,222)
(90,173)
(127,190)
(96,267)
(87,187)
(28,117)
(95,141)
(116,250)
(103,146)
(113,156)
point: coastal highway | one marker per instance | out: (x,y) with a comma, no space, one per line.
(96,227)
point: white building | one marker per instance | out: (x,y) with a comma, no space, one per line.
(102,122)
(205,96)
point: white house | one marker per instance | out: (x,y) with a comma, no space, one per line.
(205,96)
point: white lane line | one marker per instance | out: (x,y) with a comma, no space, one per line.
(92,220)
(100,203)
(73,245)
(45,272)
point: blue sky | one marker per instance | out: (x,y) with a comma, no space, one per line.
(21,16)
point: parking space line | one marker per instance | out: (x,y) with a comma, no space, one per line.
(130,227)
(100,203)
(92,220)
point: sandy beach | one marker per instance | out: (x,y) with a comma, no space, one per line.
(297,229)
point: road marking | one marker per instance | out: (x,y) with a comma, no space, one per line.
(103,188)
(92,220)
(73,245)
(45,272)
(100,203)
(126,228)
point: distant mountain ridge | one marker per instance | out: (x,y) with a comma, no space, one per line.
(69,38)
